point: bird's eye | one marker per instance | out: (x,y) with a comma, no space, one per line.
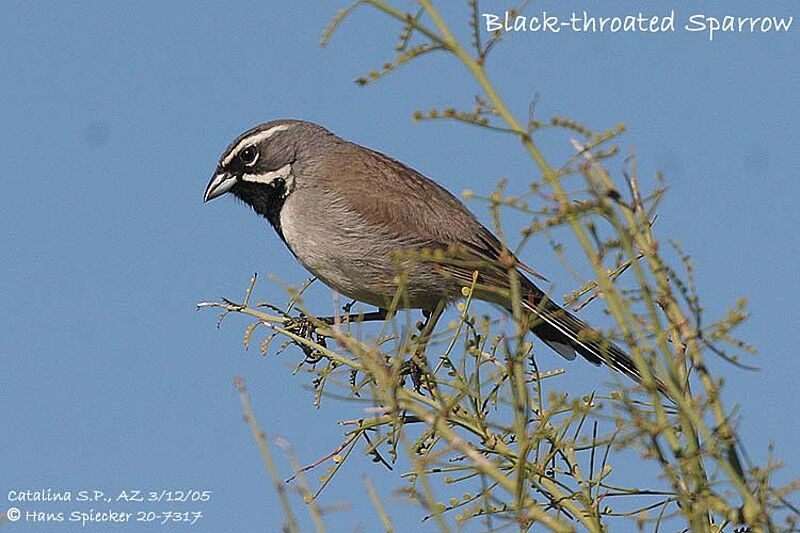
(249,155)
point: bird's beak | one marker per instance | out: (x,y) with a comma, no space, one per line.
(220,183)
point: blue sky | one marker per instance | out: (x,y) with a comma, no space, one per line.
(114,115)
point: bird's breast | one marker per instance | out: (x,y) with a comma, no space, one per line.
(350,255)
(336,248)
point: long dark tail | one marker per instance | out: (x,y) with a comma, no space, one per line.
(561,330)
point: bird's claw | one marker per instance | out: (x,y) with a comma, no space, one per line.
(303,327)
(299,325)
(412,369)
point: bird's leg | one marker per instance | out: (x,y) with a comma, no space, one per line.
(306,328)
(419,362)
(303,324)
(411,368)
(372,316)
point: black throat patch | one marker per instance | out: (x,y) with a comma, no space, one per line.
(266,199)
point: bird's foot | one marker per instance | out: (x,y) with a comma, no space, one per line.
(304,327)
(421,377)
(412,369)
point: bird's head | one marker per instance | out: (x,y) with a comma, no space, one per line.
(257,166)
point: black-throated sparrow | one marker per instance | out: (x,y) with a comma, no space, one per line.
(348,213)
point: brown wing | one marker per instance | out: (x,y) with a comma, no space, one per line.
(417,211)
(429,214)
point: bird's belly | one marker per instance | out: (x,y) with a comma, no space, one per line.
(357,262)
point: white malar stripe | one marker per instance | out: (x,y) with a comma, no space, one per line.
(268,177)
(252,140)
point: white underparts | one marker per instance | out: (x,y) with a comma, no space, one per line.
(284,173)
(253,139)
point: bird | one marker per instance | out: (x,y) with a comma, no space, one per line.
(357,219)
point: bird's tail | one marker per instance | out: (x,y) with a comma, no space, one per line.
(567,334)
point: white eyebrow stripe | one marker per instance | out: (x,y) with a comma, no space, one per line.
(254,139)
(268,177)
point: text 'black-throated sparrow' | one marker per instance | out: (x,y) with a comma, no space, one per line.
(348,213)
